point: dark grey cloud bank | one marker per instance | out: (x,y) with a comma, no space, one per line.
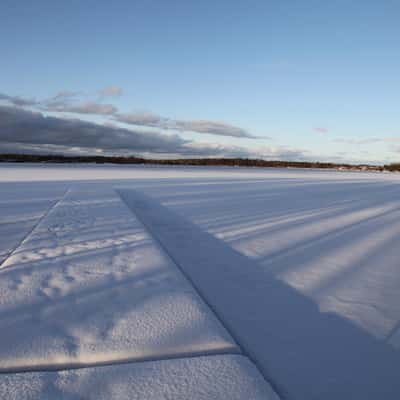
(27,131)
(71,102)
(27,127)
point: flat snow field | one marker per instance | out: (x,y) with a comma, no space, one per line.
(150,282)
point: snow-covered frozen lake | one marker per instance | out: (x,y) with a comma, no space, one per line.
(140,282)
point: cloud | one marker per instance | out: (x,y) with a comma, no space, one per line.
(66,102)
(26,131)
(321,130)
(395,149)
(60,100)
(213,128)
(265,152)
(66,94)
(25,127)
(358,141)
(110,91)
(392,139)
(18,101)
(198,126)
(143,119)
(26,148)
(89,107)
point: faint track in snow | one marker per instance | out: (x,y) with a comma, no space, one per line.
(43,217)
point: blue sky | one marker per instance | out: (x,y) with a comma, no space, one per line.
(315,79)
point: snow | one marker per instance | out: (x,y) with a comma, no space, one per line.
(286,333)
(295,269)
(26,172)
(90,286)
(213,377)
(21,207)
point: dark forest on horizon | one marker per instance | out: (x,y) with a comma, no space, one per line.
(229,162)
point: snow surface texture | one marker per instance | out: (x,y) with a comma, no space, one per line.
(300,266)
(334,240)
(90,286)
(223,377)
(284,332)
(21,208)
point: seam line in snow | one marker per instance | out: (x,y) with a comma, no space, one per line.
(46,213)
(131,360)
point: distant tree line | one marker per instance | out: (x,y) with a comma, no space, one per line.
(241,162)
(57,158)
(392,167)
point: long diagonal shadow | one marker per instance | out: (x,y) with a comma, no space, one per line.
(304,353)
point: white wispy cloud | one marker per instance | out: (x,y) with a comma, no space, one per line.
(321,130)
(358,141)
(18,101)
(110,91)
(198,126)
(88,107)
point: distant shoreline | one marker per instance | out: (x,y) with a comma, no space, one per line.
(224,162)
